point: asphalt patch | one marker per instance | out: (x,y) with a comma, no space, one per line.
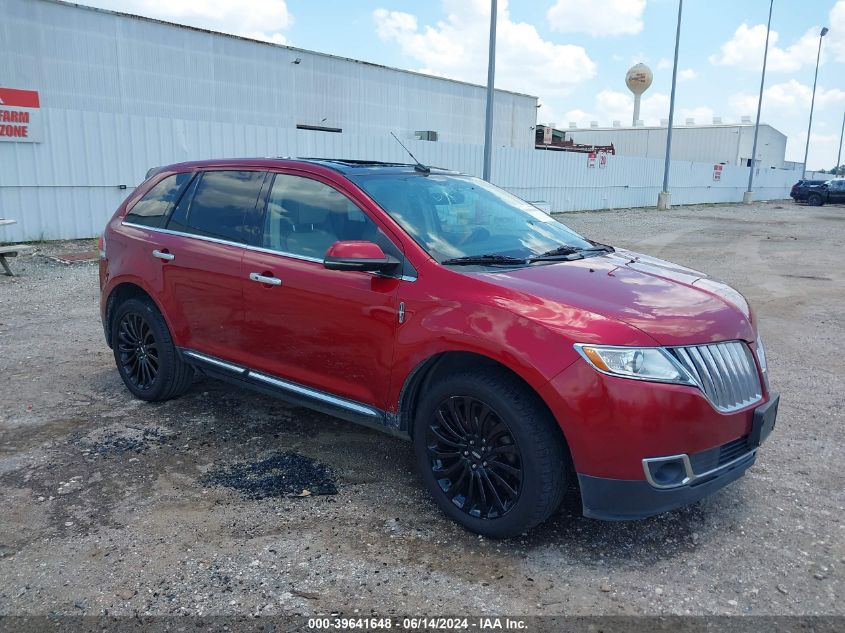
(279,475)
(132,441)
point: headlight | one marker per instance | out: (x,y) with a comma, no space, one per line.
(641,363)
(761,356)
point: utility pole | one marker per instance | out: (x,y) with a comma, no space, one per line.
(748,196)
(491,74)
(664,197)
(823,32)
(839,155)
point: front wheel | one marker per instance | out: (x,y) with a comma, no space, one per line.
(490,453)
(814,200)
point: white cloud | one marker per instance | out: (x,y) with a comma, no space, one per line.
(611,17)
(687,74)
(702,115)
(457,47)
(257,19)
(613,105)
(745,50)
(664,63)
(786,106)
(836,37)
(789,98)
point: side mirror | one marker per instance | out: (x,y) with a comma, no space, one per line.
(360,256)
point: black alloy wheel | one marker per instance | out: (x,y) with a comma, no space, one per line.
(474,457)
(137,350)
(146,358)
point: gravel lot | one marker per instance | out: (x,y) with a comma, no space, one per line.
(200,505)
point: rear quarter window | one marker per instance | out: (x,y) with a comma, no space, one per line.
(154,206)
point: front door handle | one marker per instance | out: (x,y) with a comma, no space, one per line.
(168,257)
(263,279)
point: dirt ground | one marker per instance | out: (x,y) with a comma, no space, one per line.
(198,506)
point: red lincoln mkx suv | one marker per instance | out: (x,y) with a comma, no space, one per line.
(513,352)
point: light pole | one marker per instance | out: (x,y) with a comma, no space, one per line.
(839,155)
(491,73)
(813,100)
(748,196)
(664,197)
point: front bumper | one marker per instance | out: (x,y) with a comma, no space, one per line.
(620,431)
(623,499)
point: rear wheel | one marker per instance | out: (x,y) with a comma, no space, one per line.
(814,200)
(144,353)
(490,453)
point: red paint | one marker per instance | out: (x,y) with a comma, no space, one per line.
(338,331)
(15,98)
(355,249)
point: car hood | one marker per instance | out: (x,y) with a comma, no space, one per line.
(674,305)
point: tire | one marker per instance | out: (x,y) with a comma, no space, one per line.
(144,353)
(814,200)
(452,446)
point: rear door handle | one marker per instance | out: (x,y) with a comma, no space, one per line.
(168,257)
(263,279)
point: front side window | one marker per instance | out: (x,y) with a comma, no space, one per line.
(151,209)
(220,205)
(461,216)
(304,217)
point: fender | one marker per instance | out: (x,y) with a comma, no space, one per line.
(107,294)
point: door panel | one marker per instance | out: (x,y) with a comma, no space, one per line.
(201,256)
(330,330)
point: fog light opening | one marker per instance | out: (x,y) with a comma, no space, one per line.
(668,473)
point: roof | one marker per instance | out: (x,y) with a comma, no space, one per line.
(362,167)
(282,46)
(347,167)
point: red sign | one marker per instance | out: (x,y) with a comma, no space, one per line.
(591,159)
(717,172)
(602,160)
(20,112)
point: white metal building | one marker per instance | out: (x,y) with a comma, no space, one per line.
(118,94)
(91,99)
(730,144)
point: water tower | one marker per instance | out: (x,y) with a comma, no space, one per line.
(638,79)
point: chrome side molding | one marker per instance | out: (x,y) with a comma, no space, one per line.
(285,385)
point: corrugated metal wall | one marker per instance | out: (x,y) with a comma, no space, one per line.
(120,95)
(72,192)
(729,144)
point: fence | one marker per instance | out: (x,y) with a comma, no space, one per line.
(68,186)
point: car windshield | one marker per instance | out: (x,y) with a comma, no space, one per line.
(461,216)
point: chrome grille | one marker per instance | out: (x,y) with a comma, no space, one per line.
(725,372)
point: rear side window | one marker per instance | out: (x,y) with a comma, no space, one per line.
(219,206)
(155,204)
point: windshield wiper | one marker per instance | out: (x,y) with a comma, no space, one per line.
(601,247)
(476,260)
(569,253)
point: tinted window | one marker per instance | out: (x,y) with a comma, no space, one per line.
(220,202)
(460,216)
(150,209)
(305,217)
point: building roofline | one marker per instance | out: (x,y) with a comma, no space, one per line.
(283,46)
(700,126)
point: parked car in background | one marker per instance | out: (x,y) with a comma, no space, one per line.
(831,191)
(518,356)
(801,189)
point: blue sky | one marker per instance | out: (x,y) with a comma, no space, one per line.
(573,54)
